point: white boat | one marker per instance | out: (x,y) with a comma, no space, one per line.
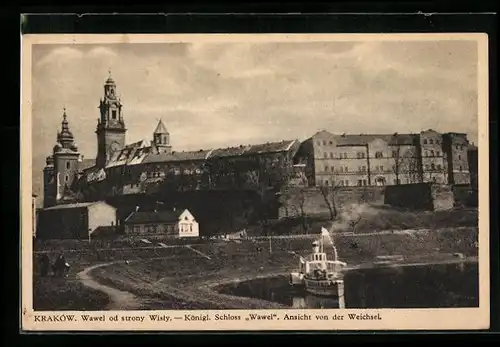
(319,275)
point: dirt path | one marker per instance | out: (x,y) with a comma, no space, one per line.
(119,300)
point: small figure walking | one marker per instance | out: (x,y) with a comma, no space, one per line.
(60,267)
(44,265)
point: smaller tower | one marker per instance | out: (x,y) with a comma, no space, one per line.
(65,158)
(49,195)
(161,139)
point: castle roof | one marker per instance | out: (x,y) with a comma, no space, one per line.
(160,128)
(177,156)
(364,139)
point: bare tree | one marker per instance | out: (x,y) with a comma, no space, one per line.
(410,167)
(354,222)
(329,192)
(397,162)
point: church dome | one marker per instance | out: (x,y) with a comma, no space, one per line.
(74,147)
(57,147)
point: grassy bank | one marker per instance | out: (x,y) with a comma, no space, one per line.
(369,219)
(51,294)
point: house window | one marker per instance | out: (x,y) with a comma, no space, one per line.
(319,143)
(331,155)
(460,168)
(459,157)
(333,168)
(326,168)
(379,155)
(191,227)
(324,143)
(345,155)
(431,141)
(360,183)
(66,178)
(425,141)
(439,166)
(365,182)
(341,169)
(325,155)
(426,153)
(434,179)
(381,168)
(67,165)
(438,153)
(137,228)
(427,167)
(113,114)
(363,168)
(394,154)
(432,153)
(346,169)
(326,182)
(433,166)
(456,146)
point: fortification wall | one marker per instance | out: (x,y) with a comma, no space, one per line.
(313,201)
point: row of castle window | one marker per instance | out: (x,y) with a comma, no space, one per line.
(378,155)
(430,141)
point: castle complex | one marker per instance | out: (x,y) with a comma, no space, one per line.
(324,159)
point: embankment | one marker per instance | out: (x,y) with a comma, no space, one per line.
(186,283)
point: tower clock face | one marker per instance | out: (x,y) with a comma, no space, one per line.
(114,147)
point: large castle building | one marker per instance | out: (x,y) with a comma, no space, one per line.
(122,169)
(391,159)
(325,159)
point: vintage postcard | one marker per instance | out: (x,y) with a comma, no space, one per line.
(255,182)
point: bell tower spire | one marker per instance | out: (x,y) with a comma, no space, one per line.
(110,125)
(161,138)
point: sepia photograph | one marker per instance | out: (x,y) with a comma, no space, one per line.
(289,182)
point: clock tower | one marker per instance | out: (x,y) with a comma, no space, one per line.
(110,125)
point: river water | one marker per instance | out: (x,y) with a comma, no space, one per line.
(431,286)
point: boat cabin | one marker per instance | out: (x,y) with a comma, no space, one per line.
(318,261)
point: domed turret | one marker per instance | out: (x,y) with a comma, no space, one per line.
(57,147)
(49,160)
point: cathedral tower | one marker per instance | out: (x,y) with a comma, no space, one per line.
(62,166)
(110,126)
(161,139)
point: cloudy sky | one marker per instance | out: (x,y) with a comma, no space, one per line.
(223,94)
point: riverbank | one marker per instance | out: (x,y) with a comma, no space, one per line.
(182,277)
(203,291)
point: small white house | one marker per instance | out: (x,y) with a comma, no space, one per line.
(170,223)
